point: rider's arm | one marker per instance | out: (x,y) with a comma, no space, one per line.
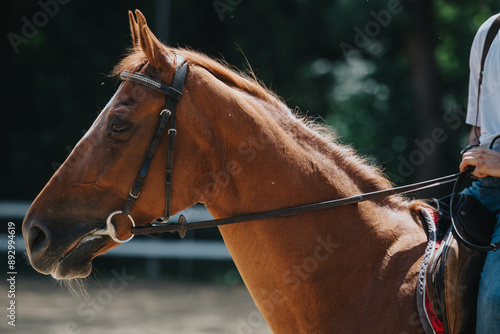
(473,136)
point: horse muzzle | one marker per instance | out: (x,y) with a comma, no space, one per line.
(64,253)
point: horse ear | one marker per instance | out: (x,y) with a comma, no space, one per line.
(134,29)
(159,56)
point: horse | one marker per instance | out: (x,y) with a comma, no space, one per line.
(239,149)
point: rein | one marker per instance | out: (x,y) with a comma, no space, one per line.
(182,226)
(167,116)
(458,235)
(454,192)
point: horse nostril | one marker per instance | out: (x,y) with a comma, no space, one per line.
(38,240)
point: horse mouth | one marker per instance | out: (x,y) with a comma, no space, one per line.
(77,259)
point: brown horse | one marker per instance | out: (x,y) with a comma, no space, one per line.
(239,149)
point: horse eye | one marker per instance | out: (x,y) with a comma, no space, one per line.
(128,102)
(118,127)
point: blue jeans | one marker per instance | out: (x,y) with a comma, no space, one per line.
(487,191)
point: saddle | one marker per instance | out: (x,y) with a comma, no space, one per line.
(448,280)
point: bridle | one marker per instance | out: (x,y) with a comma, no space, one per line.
(167,116)
(161,225)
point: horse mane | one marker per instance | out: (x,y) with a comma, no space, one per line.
(311,134)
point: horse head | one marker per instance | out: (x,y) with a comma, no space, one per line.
(61,228)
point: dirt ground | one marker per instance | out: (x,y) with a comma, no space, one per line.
(120,304)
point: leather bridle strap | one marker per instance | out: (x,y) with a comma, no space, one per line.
(177,83)
(167,115)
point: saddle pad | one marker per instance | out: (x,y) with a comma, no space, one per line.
(431,323)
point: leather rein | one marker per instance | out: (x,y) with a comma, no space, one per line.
(167,117)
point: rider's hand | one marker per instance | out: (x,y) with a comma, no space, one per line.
(486,161)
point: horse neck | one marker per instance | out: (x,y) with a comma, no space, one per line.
(271,159)
(272,162)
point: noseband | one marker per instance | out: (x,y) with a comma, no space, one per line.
(167,116)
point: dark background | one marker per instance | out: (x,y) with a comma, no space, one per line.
(411,68)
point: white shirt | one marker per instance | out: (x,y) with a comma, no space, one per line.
(489,102)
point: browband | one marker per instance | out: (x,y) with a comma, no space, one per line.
(152,83)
